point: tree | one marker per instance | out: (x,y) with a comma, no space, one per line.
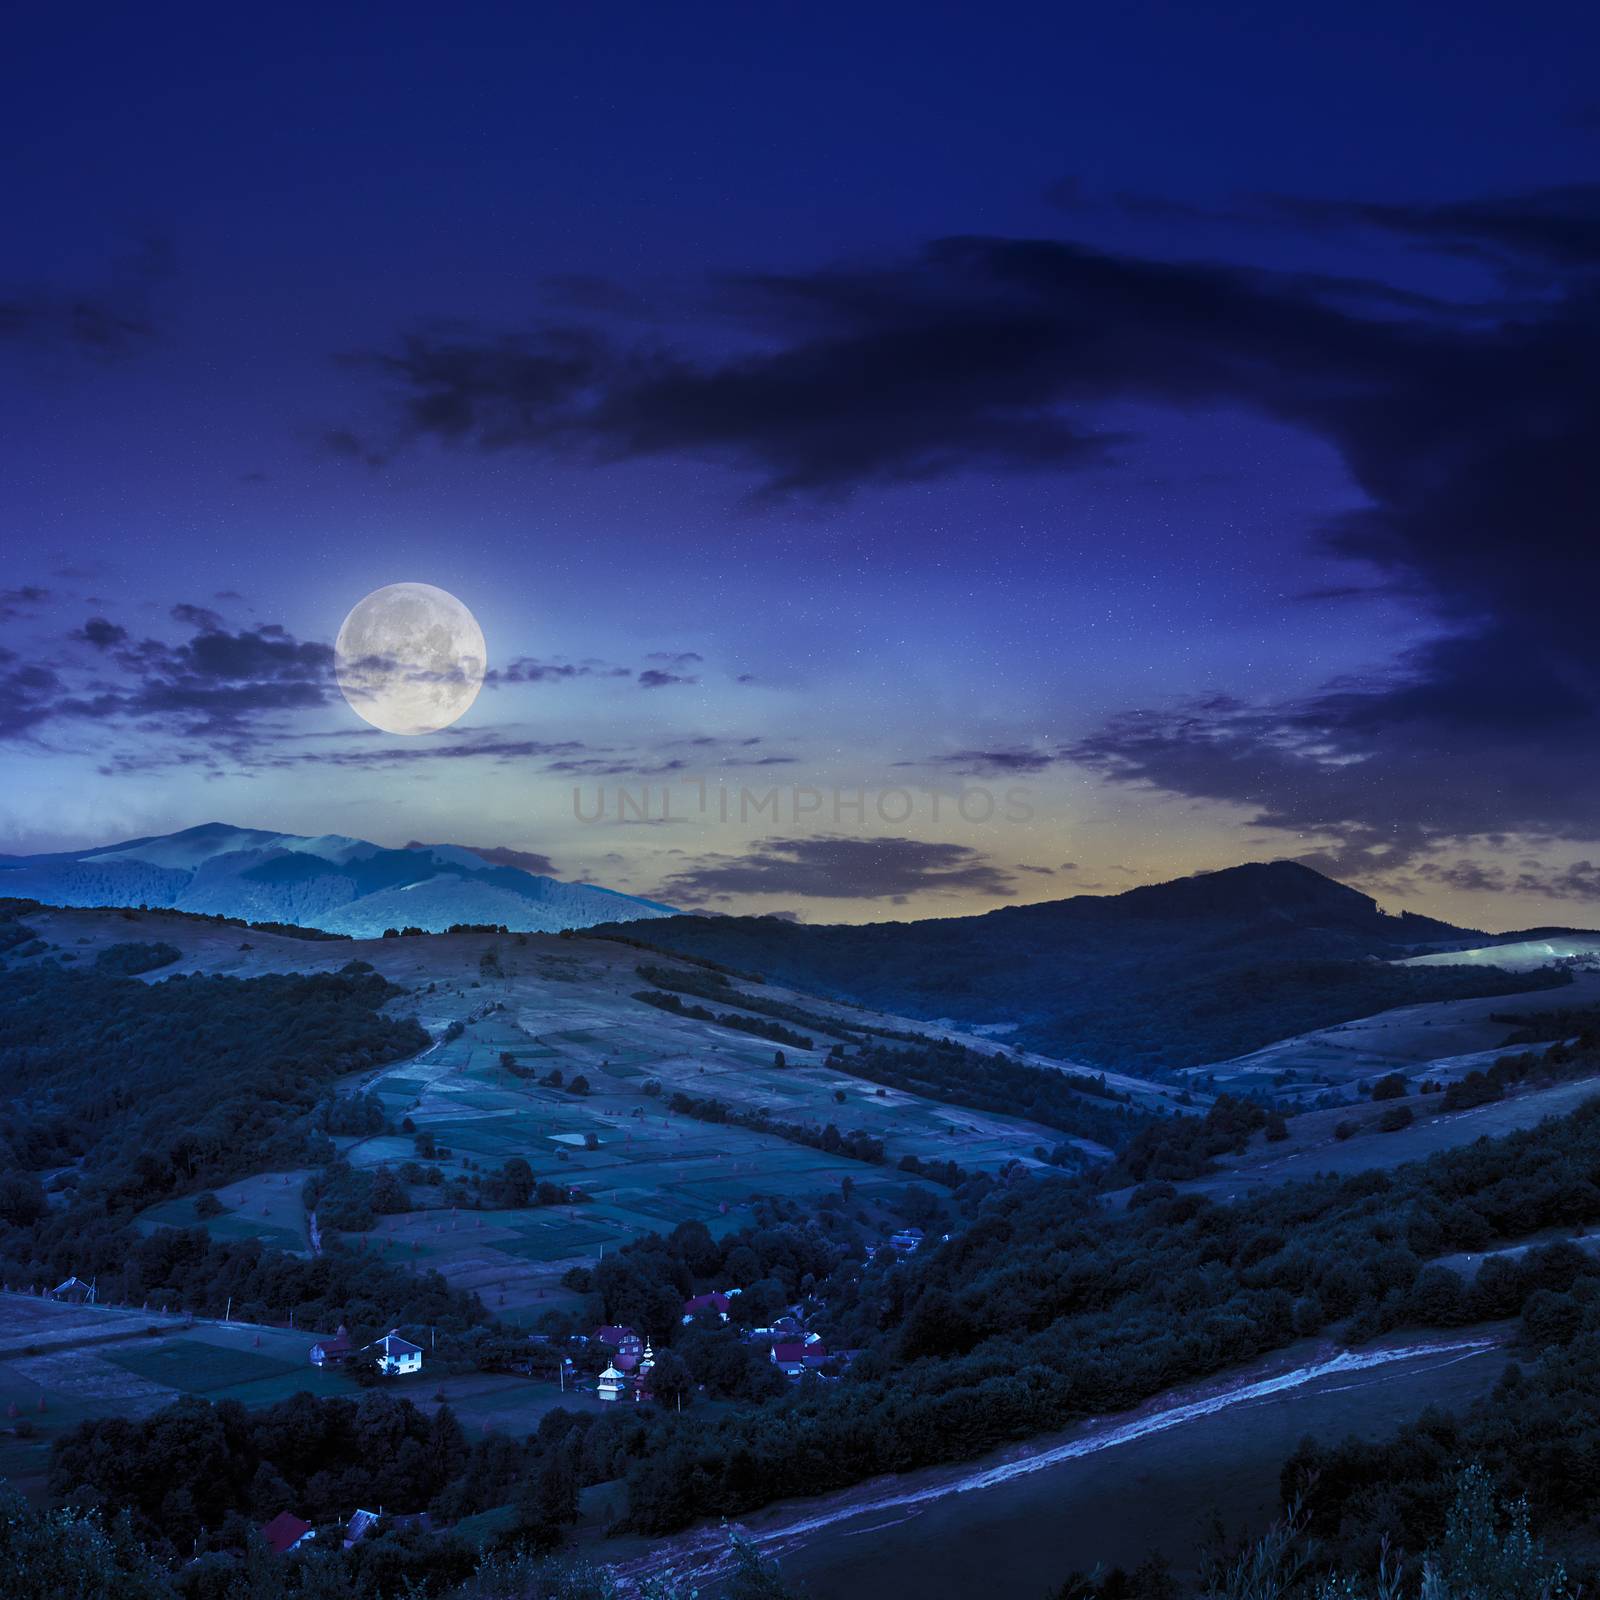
(754,1577)
(22,1200)
(1392,1086)
(1307,1316)
(388,1193)
(363,1369)
(579,1085)
(47,1555)
(517,1181)
(670,1381)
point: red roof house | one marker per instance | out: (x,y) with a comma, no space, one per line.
(286,1532)
(622,1341)
(705,1305)
(794,1357)
(332,1352)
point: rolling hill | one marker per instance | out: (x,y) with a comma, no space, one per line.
(1165,976)
(330,882)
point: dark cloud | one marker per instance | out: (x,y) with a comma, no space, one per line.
(471,746)
(349,445)
(101,632)
(988,763)
(1579,880)
(528,669)
(111,319)
(834,868)
(201,617)
(1559,226)
(20,602)
(1468,428)
(211,686)
(1485,734)
(29,694)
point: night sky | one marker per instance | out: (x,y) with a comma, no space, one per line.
(1185,416)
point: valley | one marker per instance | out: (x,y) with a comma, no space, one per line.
(506,1012)
(883,1188)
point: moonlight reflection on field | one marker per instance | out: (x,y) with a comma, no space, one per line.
(410,658)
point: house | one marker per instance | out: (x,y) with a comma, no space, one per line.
(363,1522)
(799,1356)
(611,1384)
(907,1240)
(75,1290)
(332,1352)
(624,1344)
(359,1526)
(704,1305)
(396,1356)
(286,1532)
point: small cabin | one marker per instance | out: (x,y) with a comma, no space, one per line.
(332,1352)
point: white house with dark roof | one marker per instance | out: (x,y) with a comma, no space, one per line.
(396,1356)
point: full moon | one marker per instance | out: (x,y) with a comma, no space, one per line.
(410,658)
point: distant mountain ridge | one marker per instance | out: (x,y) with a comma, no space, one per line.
(1166,975)
(331,882)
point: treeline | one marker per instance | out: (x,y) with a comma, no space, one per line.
(187,1269)
(778,1259)
(153,1089)
(1559,1063)
(713,985)
(196,1480)
(1174,1148)
(857,1145)
(80,1555)
(128,960)
(11,908)
(142,1091)
(1581,1023)
(1045,1310)
(762,1029)
(612,936)
(988,1081)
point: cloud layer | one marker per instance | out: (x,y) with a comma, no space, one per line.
(1468,426)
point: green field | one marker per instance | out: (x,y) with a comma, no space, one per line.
(196,1368)
(98,1361)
